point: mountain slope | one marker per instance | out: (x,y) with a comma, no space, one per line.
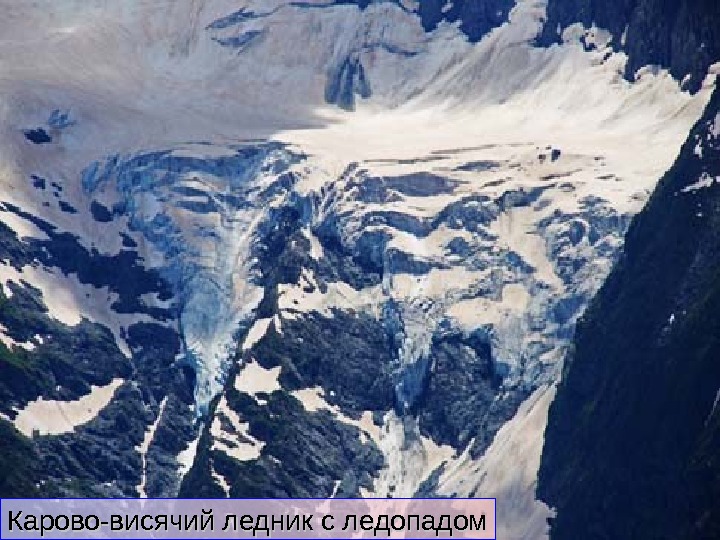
(234,265)
(681,36)
(631,448)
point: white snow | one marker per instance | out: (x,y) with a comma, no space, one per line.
(410,457)
(62,302)
(143,447)
(478,311)
(409,460)
(714,407)
(52,417)
(69,301)
(186,457)
(516,230)
(705,181)
(153,300)
(256,333)
(316,249)
(254,379)
(508,470)
(312,399)
(10,342)
(238,444)
(335,489)
(22,227)
(296,298)
(221,480)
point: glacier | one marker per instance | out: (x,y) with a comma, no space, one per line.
(199,213)
(460,201)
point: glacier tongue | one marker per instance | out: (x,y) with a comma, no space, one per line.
(199,208)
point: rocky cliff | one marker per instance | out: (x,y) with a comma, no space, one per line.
(631,448)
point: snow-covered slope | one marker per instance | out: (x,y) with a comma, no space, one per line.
(374,298)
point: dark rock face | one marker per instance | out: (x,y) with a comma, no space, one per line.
(477,17)
(634,431)
(38,136)
(459,401)
(682,36)
(355,382)
(20,469)
(306,451)
(100,212)
(99,458)
(345,82)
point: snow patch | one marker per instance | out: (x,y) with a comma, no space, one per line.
(316,249)
(256,333)
(10,342)
(236,443)
(306,296)
(313,400)
(143,447)
(54,417)
(221,481)
(69,301)
(186,457)
(409,457)
(508,470)
(254,379)
(704,182)
(22,227)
